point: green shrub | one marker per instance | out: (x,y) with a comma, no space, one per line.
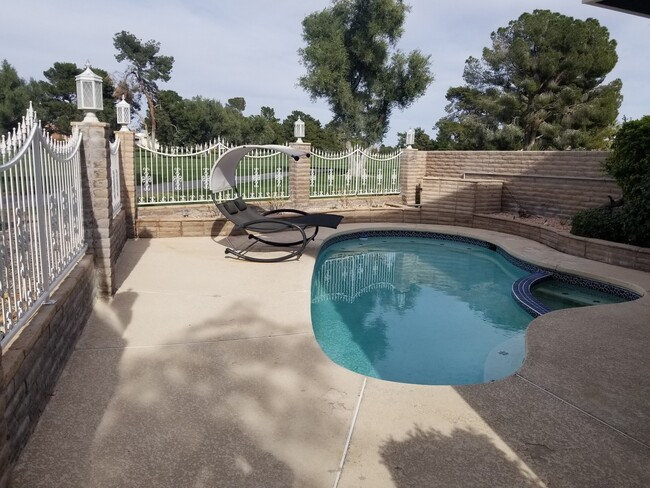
(629,160)
(629,164)
(636,213)
(599,223)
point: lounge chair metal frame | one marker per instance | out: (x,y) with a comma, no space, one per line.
(258,226)
(258,229)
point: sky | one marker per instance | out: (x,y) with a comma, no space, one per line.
(249,48)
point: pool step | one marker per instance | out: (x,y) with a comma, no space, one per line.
(521,292)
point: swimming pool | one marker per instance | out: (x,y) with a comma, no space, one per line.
(421,307)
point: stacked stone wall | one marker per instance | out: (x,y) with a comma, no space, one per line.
(33,361)
(205,220)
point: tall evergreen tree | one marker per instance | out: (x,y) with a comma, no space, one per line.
(14,98)
(146,67)
(540,86)
(352,61)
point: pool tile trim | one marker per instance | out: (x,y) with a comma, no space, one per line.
(522,293)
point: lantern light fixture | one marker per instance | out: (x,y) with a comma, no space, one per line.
(299,130)
(123,112)
(410,138)
(89,94)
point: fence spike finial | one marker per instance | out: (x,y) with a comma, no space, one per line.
(14,139)
(30,112)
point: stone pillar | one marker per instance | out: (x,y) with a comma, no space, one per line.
(98,210)
(299,177)
(413,166)
(127,173)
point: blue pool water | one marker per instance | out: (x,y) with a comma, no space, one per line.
(416,310)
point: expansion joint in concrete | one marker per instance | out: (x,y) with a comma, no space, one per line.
(590,415)
(346,448)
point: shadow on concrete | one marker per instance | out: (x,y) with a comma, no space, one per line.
(462,458)
(130,254)
(238,413)
(590,358)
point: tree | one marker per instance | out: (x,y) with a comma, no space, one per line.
(352,61)
(195,121)
(14,98)
(237,103)
(146,68)
(269,114)
(170,118)
(261,130)
(58,105)
(540,86)
(200,120)
(183,122)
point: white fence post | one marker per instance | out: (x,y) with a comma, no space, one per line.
(42,232)
(116,197)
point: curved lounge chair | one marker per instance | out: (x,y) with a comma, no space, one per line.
(260,227)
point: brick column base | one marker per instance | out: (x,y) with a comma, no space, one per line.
(98,209)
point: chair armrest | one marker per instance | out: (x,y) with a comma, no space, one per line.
(280,222)
(284,210)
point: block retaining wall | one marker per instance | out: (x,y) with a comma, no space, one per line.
(461,195)
(624,255)
(205,219)
(607,252)
(547,183)
(33,361)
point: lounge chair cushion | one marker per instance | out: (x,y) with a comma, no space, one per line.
(241,204)
(230,207)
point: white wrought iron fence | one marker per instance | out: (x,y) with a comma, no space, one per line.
(354,172)
(182,174)
(41,219)
(115,176)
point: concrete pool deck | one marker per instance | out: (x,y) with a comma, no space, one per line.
(203,371)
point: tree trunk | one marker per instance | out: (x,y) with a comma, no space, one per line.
(152,114)
(529,140)
(530,136)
